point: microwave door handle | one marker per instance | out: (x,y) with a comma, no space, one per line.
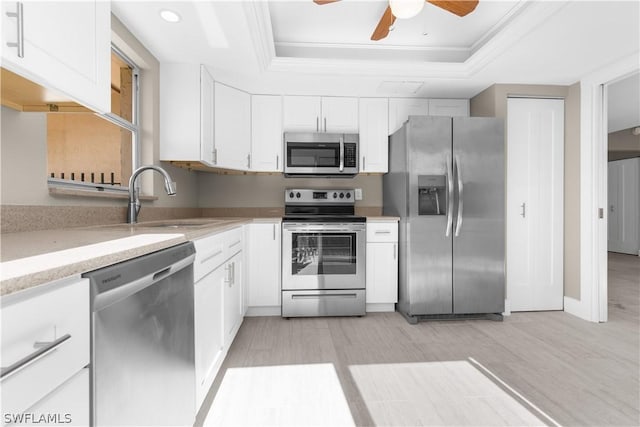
(341,154)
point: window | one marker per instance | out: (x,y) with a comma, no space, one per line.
(98,152)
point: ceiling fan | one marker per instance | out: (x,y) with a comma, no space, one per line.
(408,9)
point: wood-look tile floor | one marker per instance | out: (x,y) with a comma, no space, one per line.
(577,372)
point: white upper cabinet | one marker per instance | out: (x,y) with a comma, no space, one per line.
(374,131)
(449,107)
(186,114)
(401,108)
(232,127)
(339,115)
(266,133)
(66,46)
(320,114)
(301,113)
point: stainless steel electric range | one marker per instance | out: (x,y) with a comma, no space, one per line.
(323,254)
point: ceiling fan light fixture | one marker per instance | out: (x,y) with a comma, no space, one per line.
(404,9)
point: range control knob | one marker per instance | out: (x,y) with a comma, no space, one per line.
(335,195)
(342,195)
(291,195)
(348,195)
(298,195)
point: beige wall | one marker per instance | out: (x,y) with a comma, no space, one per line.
(24,146)
(216,191)
(623,145)
(492,102)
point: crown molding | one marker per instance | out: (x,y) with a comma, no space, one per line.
(261,32)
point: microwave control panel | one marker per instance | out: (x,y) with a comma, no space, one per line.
(350,155)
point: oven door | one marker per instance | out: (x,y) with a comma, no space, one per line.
(323,256)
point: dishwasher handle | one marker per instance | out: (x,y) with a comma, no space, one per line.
(106,298)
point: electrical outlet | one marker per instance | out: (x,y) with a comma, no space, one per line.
(358,193)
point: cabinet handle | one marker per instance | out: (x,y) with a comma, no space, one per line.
(395,249)
(325,124)
(227,278)
(207,258)
(317,123)
(46,348)
(214,155)
(19,15)
(523,213)
(277,162)
(383,231)
(364,163)
(233,273)
(248,161)
(274,232)
(235,243)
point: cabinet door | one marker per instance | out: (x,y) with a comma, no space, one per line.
(339,115)
(264,265)
(449,107)
(301,114)
(382,273)
(67,47)
(266,133)
(70,401)
(209,340)
(207,135)
(233,304)
(374,135)
(624,206)
(232,112)
(401,108)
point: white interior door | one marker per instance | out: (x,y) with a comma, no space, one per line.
(534,213)
(624,206)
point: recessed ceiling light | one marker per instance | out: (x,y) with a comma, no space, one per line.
(170,16)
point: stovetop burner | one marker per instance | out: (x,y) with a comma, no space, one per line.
(316,205)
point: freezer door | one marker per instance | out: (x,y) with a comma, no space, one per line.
(429,243)
(478,243)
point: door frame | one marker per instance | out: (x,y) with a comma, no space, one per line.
(592,305)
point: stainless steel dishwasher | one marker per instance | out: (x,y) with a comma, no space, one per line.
(142,340)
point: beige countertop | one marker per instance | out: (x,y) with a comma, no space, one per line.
(33,258)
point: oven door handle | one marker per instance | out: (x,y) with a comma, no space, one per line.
(341,153)
(322,229)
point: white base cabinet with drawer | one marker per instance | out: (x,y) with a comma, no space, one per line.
(45,342)
(264,269)
(382,266)
(218,303)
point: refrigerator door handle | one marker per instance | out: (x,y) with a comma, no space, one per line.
(450,197)
(458,172)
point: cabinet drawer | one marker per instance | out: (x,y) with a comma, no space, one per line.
(55,319)
(233,241)
(382,232)
(210,254)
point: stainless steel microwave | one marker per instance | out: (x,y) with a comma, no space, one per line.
(321,154)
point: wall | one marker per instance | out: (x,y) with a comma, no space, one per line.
(623,145)
(24,147)
(267,191)
(492,102)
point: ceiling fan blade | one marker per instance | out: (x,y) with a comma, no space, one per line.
(321,2)
(382,30)
(457,7)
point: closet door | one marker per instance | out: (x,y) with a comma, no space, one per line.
(535,157)
(624,206)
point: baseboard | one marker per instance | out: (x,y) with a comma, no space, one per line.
(577,308)
(263,311)
(380,307)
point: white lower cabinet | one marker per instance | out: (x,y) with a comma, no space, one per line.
(67,404)
(264,269)
(218,303)
(382,266)
(233,304)
(208,330)
(45,343)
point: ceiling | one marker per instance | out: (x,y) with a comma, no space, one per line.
(298,47)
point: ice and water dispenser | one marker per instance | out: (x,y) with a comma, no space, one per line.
(432,195)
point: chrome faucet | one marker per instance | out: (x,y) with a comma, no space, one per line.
(134,200)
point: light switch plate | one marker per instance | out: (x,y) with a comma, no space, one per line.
(358,193)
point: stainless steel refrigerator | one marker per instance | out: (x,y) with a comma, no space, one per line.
(446,183)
